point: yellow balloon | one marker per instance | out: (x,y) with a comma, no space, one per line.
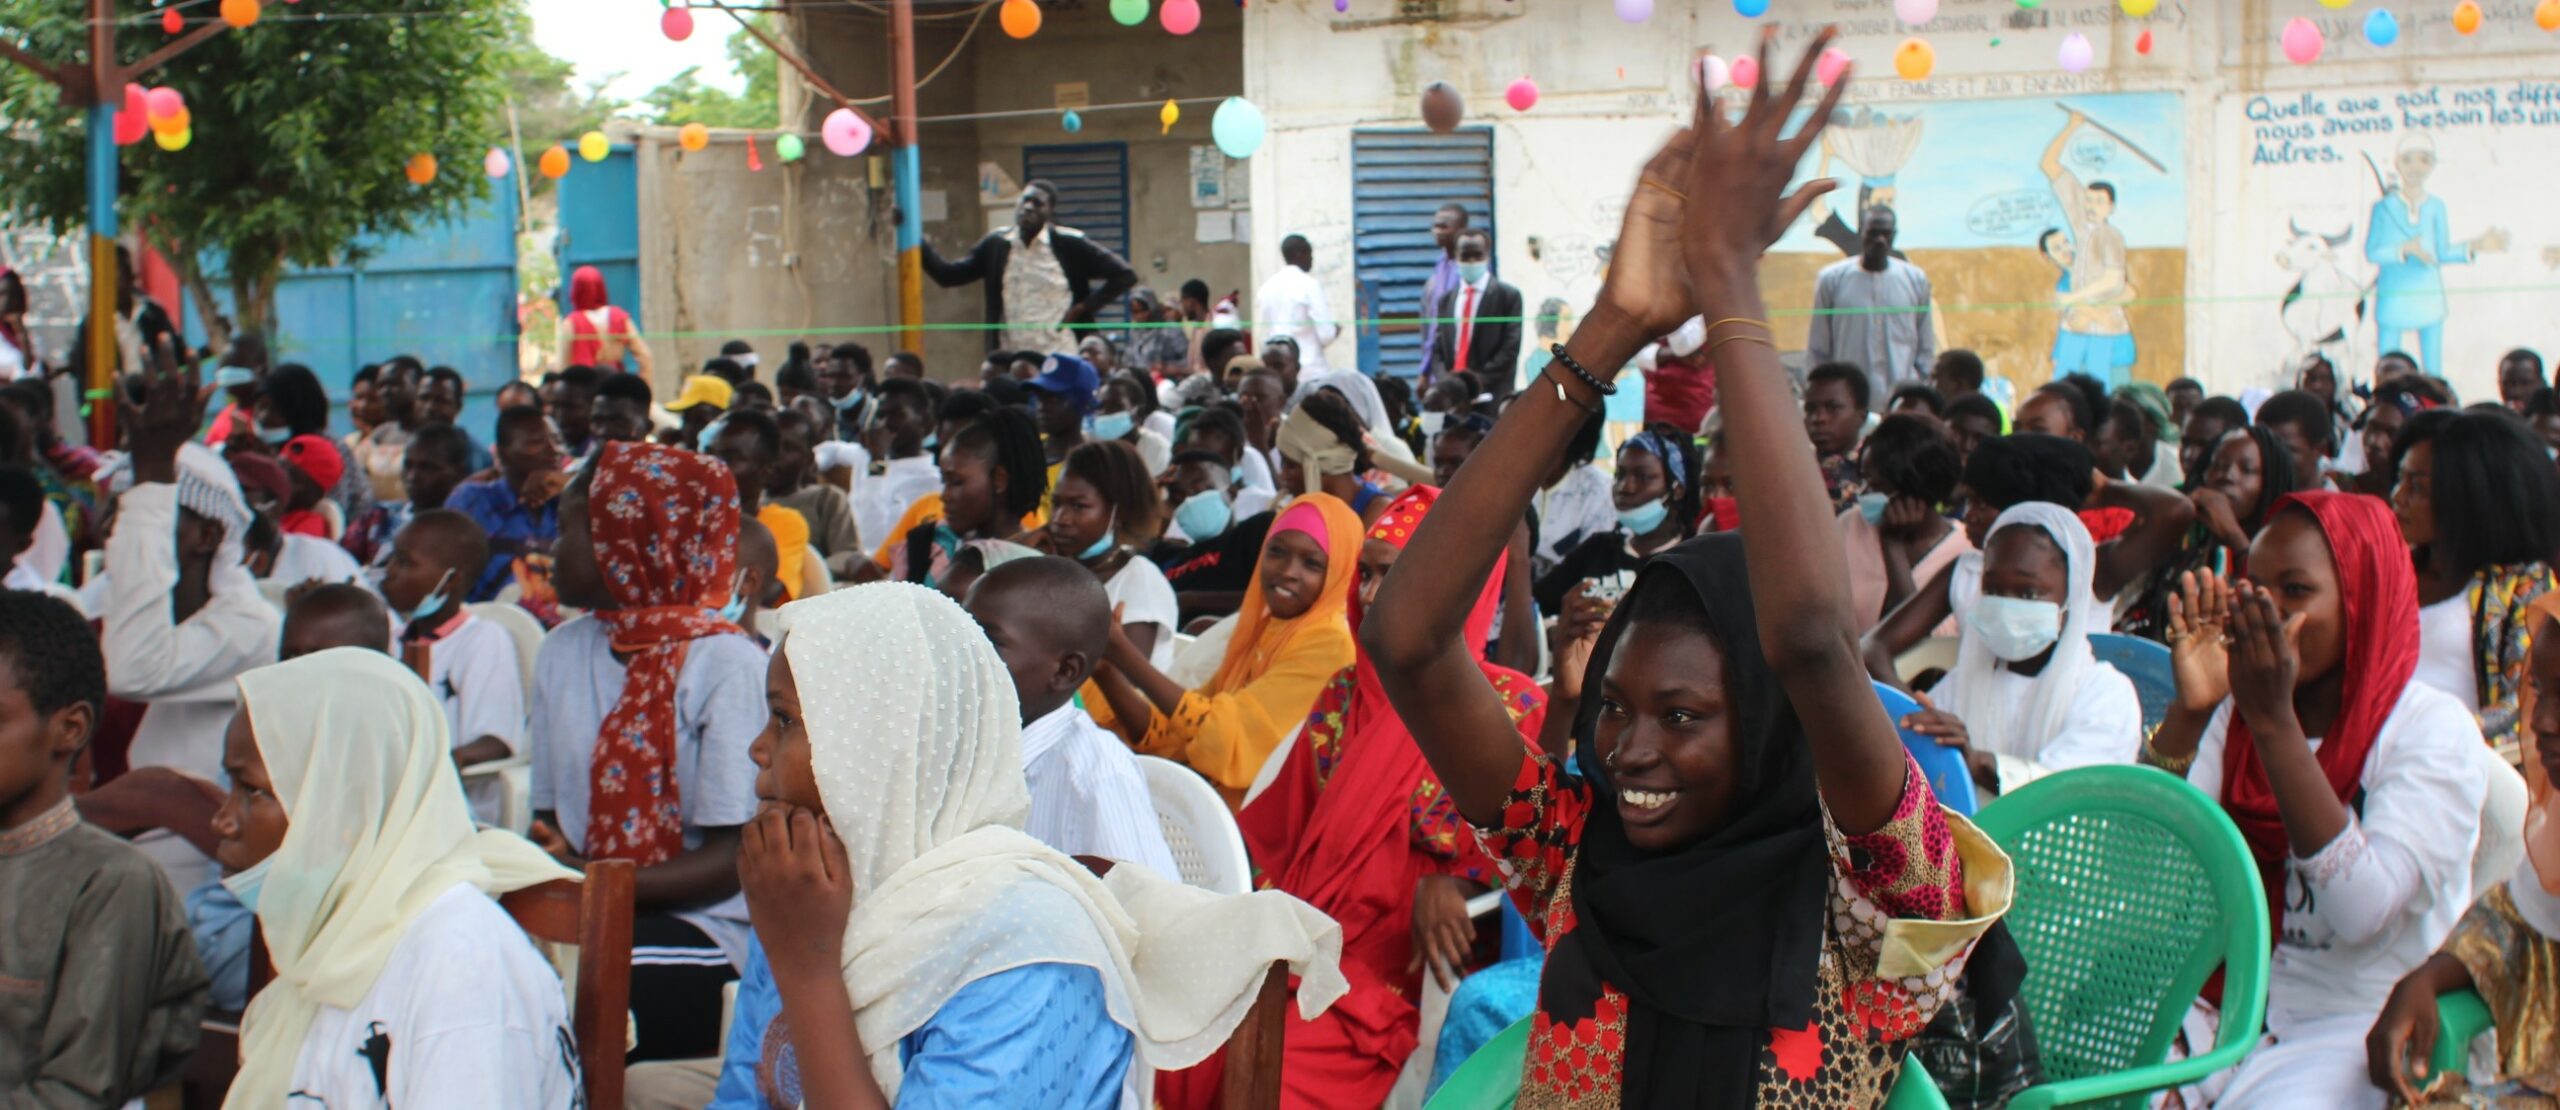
(2335,3)
(693,136)
(1169,115)
(173,140)
(2140,8)
(1914,59)
(593,146)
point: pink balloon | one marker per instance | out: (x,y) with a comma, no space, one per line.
(1915,12)
(1713,73)
(164,102)
(496,163)
(2075,53)
(677,23)
(1181,16)
(1829,68)
(1745,71)
(2302,41)
(1522,95)
(845,132)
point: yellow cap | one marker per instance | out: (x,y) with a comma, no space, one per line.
(702,389)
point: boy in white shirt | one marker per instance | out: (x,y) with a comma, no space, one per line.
(1050,620)
(471,663)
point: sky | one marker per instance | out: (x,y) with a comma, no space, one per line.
(608,37)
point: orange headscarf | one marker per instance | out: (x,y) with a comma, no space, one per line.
(1259,638)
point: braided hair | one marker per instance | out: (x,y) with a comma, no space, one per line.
(1007,439)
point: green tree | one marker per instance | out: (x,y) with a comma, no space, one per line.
(302,128)
(684,98)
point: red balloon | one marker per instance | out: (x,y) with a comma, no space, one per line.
(677,23)
(171,21)
(133,121)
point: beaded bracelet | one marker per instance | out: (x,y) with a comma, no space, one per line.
(1605,389)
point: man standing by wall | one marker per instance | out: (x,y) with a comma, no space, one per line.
(1873,310)
(1483,336)
(1445,226)
(1040,277)
(1291,303)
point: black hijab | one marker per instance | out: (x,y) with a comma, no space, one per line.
(1715,943)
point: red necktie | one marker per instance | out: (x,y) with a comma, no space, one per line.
(1466,328)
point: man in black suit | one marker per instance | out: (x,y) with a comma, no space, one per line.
(1482,318)
(1070,277)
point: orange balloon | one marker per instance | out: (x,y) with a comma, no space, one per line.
(422,168)
(239,13)
(2466,16)
(174,122)
(554,163)
(693,136)
(2546,15)
(1020,18)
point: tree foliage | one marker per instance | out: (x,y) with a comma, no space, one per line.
(302,128)
(684,98)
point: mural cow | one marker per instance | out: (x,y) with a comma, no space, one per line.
(2325,308)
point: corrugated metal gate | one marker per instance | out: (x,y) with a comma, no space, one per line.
(600,227)
(1093,194)
(1399,178)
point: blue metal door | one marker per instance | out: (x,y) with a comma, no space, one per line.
(1399,179)
(600,227)
(445,293)
(1093,194)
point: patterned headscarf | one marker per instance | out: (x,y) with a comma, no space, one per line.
(665,527)
(1674,462)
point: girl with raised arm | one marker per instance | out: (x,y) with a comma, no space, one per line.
(1715,894)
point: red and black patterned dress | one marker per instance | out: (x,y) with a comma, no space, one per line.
(1908,869)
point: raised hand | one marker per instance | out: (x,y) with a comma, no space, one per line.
(2220,518)
(1646,281)
(1737,202)
(172,409)
(799,887)
(2199,620)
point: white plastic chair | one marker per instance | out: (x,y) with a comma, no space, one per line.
(1207,847)
(1196,660)
(1936,651)
(514,773)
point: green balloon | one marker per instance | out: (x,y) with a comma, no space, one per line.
(1130,13)
(789,147)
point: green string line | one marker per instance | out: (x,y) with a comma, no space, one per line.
(1415,322)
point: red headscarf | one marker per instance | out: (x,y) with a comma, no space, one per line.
(2379,594)
(586,289)
(1343,841)
(665,527)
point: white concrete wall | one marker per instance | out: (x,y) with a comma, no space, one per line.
(2206,228)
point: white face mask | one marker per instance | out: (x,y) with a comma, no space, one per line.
(1432,422)
(2015,629)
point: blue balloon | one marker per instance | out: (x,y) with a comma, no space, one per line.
(1237,127)
(2381,28)
(1751,9)
(1071,121)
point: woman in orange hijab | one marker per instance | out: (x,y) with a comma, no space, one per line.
(1291,637)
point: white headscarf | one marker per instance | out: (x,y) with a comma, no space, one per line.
(916,743)
(2021,730)
(1387,451)
(358,751)
(207,487)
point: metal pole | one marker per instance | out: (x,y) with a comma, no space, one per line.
(906,172)
(104,280)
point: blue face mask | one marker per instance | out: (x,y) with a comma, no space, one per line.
(1871,506)
(1106,544)
(850,401)
(1472,272)
(431,604)
(233,377)
(248,883)
(710,434)
(1644,518)
(1113,425)
(275,437)
(1205,515)
(932,440)
(736,609)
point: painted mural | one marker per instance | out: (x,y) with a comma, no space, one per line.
(2383,219)
(2054,229)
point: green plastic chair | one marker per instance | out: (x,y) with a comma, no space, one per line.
(2460,1016)
(1490,1079)
(2132,888)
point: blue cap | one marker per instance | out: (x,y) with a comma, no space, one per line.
(1069,377)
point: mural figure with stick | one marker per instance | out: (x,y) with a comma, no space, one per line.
(2094,335)
(2408,241)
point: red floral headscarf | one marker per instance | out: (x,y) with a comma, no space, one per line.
(665,528)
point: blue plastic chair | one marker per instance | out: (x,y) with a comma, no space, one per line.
(1943,766)
(2147,664)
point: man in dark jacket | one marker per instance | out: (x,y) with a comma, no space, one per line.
(1040,277)
(1480,318)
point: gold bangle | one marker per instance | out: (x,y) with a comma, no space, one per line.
(2156,758)
(1745,337)
(1649,180)
(1763,325)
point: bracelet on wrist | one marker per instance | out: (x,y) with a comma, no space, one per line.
(1605,389)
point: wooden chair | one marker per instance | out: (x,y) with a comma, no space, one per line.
(593,916)
(1251,1080)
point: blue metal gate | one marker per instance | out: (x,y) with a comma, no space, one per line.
(600,227)
(1399,179)
(445,293)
